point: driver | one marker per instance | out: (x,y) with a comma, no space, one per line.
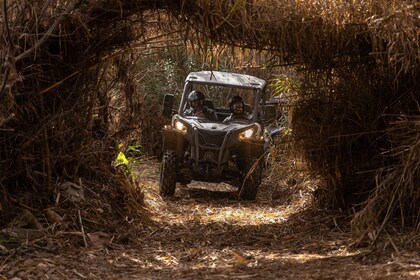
(197,108)
(237,109)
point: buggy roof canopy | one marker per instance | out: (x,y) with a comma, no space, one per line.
(218,78)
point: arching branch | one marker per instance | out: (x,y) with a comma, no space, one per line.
(49,31)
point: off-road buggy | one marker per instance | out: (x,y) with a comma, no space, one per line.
(212,151)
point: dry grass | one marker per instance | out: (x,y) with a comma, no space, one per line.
(319,33)
(397,190)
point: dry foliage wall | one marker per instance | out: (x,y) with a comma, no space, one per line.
(57,73)
(355,118)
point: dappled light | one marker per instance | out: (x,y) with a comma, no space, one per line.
(205,232)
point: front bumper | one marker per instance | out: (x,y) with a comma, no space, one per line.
(212,155)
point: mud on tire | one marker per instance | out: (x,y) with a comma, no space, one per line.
(251,181)
(168,173)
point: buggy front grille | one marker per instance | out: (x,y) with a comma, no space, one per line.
(211,138)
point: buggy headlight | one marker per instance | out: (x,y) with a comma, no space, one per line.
(246,134)
(180,126)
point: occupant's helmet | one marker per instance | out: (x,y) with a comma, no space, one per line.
(237,105)
(196,99)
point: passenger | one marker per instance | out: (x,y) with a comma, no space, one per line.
(237,108)
(197,108)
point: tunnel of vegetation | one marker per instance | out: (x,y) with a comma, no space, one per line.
(356,120)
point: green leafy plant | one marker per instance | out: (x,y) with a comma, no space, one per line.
(134,149)
(121,159)
(126,157)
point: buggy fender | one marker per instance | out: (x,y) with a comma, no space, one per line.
(173,140)
(251,148)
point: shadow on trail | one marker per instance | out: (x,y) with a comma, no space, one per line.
(208,195)
(214,195)
(306,245)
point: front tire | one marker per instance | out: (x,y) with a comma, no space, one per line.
(168,173)
(251,181)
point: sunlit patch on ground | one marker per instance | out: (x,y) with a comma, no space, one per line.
(212,204)
(205,227)
(205,232)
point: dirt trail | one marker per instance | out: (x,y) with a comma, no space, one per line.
(206,234)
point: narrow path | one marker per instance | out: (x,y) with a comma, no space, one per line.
(204,232)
